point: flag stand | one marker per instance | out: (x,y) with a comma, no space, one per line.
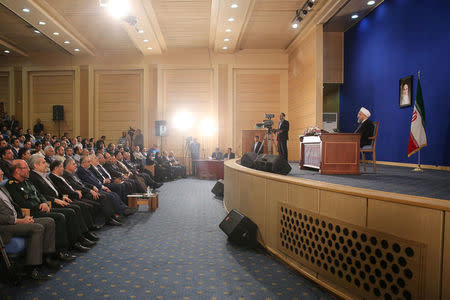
(418,168)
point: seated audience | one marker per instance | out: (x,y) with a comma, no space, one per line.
(39,232)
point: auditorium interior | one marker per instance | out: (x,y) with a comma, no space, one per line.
(339,223)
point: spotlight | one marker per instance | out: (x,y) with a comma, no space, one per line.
(234,5)
(294,25)
(42,23)
(26,10)
(183,120)
(37,31)
(118,8)
(76,50)
(371,3)
(355,17)
(6,51)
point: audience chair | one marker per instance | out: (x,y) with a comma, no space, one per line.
(371,147)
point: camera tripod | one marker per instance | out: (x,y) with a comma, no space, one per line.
(269,137)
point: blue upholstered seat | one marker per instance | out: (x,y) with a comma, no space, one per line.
(16,245)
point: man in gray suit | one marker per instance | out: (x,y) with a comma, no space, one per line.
(40,234)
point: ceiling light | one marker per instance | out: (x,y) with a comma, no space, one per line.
(145,41)
(7,51)
(55,33)
(66,42)
(294,25)
(355,17)
(228,30)
(26,10)
(149,48)
(76,50)
(42,23)
(224,48)
(371,2)
(37,31)
(118,8)
(140,31)
(231,20)
(234,5)
(226,40)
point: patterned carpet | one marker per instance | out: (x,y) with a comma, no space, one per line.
(177,252)
(429,183)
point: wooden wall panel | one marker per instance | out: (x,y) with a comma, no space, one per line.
(340,206)
(4,90)
(256,92)
(191,91)
(333,57)
(47,89)
(446,259)
(305,88)
(84,102)
(118,102)
(416,224)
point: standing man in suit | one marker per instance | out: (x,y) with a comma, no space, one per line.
(365,127)
(257,145)
(194,148)
(282,136)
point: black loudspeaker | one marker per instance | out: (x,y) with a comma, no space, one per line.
(160,128)
(248,159)
(58,113)
(240,229)
(272,163)
(218,188)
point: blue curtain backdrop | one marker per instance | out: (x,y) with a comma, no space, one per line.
(396,40)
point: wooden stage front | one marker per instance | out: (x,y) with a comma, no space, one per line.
(357,242)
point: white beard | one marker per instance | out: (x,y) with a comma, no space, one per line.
(404,99)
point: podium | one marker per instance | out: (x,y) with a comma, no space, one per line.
(331,153)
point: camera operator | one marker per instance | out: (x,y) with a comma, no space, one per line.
(282,136)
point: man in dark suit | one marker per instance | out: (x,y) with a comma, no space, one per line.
(44,185)
(283,136)
(86,176)
(7,157)
(229,154)
(40,234)
(114,184)
(257,145)
(217,155)
(88,191)
(365,127)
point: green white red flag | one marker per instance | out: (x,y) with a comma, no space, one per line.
(417,136)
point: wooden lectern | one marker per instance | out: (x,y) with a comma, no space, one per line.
(331,153)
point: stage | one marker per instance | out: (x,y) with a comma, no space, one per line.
(360,236)
(392,179)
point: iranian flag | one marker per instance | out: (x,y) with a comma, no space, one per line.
(417,136)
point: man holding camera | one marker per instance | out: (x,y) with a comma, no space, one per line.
(282,136)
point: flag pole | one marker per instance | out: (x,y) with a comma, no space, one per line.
(418,168)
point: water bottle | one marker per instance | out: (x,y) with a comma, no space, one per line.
(148,191)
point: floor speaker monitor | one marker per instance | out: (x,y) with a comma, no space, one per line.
(240,229)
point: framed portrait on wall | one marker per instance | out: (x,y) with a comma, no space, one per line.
(405,92)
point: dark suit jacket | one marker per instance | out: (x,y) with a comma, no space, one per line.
(97,173)
(87,177)
(113,170)
(77,184)
(285,130)
(43,187)
(63,188)
(217,155)
(258,149)
(231,156)
(366,130)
